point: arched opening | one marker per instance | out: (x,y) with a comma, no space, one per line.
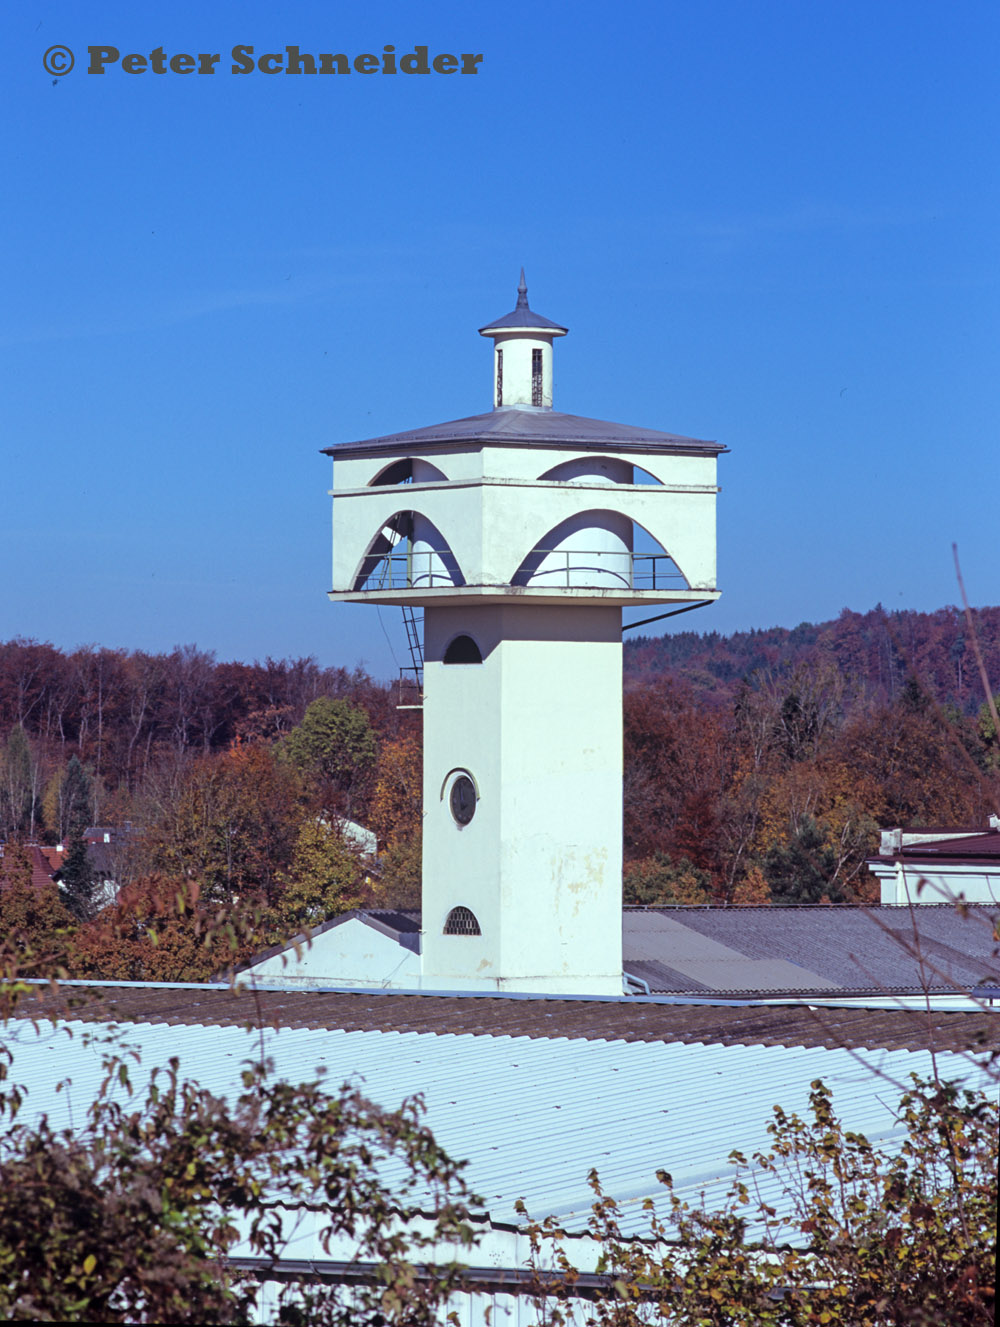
(409,552)
(600,550)
(463,650)
(590,470)
(640,476)
(409,470)
(461,921)
(593,549)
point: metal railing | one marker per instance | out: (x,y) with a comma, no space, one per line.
(629,571)
(574,568)
(406,571)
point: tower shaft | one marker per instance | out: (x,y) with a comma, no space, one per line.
(537,727)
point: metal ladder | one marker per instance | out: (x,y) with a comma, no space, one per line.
(413,624)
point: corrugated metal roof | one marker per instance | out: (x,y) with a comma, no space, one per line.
(626,1019)
(531,1116)
(812,949)
(530,427)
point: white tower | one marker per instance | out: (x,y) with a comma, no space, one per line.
(515,530)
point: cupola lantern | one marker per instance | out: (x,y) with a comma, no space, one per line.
(522,355)
(522,533)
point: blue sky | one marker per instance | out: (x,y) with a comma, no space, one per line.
(769,223)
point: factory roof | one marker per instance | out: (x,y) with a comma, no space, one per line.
(547,1017)
(821,950)
(530,1113)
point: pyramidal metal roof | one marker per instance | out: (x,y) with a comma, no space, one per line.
(528,426)
(522,317)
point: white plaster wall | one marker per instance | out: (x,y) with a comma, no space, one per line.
(585,554)
(517,348)
(530,463)
(974,884)
(538,725)
(492,528)
(352,953)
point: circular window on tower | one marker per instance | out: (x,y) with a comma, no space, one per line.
(462,799)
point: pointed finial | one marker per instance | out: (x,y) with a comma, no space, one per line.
(522,292)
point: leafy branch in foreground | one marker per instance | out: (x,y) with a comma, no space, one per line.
(863,1238)
(133,1216)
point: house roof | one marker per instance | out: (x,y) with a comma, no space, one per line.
(963,848)
(527,427)
(823,950)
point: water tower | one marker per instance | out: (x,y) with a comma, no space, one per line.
(523,533)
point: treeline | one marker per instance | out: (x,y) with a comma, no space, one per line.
(874,652)
(228,786)
(231,786)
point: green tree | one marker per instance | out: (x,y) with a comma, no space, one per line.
(19,780)
(77,879)
(324,879)
(335,745)
(76,801)
(804,869)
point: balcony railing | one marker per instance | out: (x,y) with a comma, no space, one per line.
(420,569)
(570,568)
(560,568)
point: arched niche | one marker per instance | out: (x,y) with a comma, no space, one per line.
(408,552)
(462,650)
(409,470)
(599,549)
(590,470)
(598,470)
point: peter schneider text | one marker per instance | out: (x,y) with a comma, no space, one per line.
(290,60)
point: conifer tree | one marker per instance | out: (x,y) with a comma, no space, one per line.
(78,881)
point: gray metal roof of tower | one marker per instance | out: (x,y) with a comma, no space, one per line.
(522,316)
(532,428)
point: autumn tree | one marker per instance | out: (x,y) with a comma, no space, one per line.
(34,922)
(164,929)
(658,880)
(231,825)
(397,818)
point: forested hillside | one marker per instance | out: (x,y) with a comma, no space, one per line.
(873,652)
(758,768)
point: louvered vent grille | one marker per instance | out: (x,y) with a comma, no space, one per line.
(461,921)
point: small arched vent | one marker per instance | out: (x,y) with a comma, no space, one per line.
(463,650)
(461,921)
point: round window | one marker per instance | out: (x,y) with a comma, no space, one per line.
(463,799)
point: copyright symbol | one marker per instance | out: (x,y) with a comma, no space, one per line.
(58,60)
